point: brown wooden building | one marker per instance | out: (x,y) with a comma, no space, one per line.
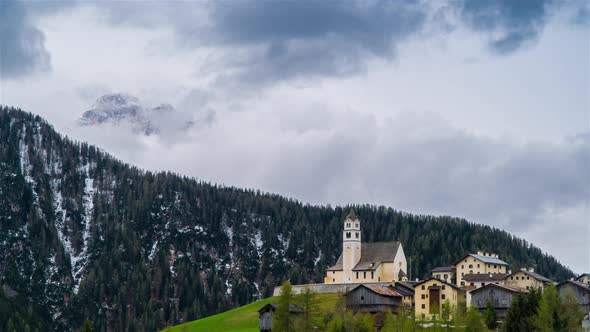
(266,313)
(373,299)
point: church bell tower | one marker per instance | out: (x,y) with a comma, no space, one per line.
(351,246)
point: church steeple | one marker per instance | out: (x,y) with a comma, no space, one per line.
(351,245)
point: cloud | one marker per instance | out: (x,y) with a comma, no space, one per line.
(22,45)
(509,24)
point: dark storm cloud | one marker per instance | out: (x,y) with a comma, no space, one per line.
(294,39)
(22,45)
(513,23)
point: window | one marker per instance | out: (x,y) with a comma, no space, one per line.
(423,287)
(333,280)
(516,278)
(362,298)
(423,306)
(472,284)
(445,276)
(443,287)
(483,284)
(462,273)
(471,266)
(365,275)
(527,278)
(372,275)
(423,296)
(495,266)
(347,225)
(511,278)
(357,275)
(462,266)
(348,235)
(471,271)
(333,272)
(478,266)
(443,296)
(356,234)
(356,225)
(378,278)
(462,283)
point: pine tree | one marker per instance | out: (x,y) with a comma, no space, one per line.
(307,300)
(490,317)
(282,321)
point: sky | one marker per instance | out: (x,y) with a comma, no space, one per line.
(475,109)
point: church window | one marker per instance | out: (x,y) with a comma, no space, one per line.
(356,234)
(347,225)
(348,235)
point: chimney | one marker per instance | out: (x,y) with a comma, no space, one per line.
(479,253)
(531,269)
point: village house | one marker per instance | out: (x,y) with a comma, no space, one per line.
(499,295)
(475,281)
(366,262)
(445,273)
(584,278)
(580,290)
(480,263)
(373,299)
(429,295)
(527,279)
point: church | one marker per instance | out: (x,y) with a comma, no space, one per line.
(366,262)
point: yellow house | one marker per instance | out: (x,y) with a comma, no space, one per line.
(584,278)
(480,263)
(429,295)
(366,262)
(526,279)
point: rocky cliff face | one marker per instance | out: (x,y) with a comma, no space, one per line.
(121,109)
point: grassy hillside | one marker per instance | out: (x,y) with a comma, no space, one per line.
(245,318)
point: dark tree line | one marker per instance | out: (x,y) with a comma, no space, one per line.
(160,248)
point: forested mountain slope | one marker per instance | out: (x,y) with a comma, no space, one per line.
(87,236)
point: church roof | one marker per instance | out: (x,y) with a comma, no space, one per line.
(372,255)
(352,215)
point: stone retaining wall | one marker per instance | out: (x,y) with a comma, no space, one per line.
(327,288)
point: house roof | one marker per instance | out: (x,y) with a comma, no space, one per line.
(381,290)
(449,268)
(575,283)
(403,289)
(506,287)
(485,259)
(437,280)
(292,307)
(372,255)
(583,275)
(484,277)
(532,275)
